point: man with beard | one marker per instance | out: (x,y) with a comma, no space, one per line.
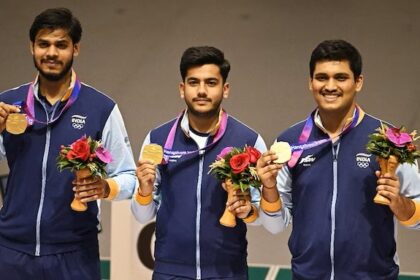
(187,201)
(41,237)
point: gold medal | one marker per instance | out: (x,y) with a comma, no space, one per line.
(16,123)
(152,152)
(283,151)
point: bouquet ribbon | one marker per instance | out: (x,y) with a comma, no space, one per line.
(168,153)
(303,144)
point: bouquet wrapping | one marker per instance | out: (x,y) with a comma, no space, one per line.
(392,146)
(236,167)
(87,158)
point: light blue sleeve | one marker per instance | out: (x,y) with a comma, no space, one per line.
(145,213)
(122,168)
(278,221)
(2,148)
(410,184)
(255,193)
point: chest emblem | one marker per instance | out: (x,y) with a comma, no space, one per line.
(307,161)
(363,160)
(78,122)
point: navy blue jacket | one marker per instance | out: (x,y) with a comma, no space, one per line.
(338,231)
(36,217)
(190,241)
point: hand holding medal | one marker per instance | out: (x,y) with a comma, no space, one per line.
(12,119)
(153,153)
(283,152)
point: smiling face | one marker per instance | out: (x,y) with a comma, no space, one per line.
(53,52)
(203,90)
(334,87)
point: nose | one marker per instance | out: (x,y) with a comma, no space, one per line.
(330,85)
(52,51)
(202,91)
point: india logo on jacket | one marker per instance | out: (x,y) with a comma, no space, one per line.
(363,160)
(78,122)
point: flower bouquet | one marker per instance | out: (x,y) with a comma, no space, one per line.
(392,146)
(87,158)
(236,168)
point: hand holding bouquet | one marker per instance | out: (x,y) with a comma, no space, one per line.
(236,168)
(392,146)
(88,159)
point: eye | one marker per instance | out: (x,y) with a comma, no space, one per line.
(321,78)
(212,83)
(62,46)
(341,78)
(192,83)
(42,44)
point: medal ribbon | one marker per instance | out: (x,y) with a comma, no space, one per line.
(29,107)
(167,150)
(303,144)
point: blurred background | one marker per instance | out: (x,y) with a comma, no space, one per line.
(130,50)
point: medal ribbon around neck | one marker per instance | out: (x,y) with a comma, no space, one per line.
(169,153)
(303,144)
(30,104)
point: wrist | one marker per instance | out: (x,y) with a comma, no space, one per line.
(252,215)
(143,193)
(107,189)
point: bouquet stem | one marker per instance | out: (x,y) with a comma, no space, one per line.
(387,166)
(228,219)
(81,176)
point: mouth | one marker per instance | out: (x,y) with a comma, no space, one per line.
(331,96)
(50,62)
(201,100)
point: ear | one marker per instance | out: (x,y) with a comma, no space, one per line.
(31,47)
(359,83)
(310,84)
(181,88)
(76,49)
(226,89)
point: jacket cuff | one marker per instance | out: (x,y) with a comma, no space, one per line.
(114,189)
(415,219)
(270,207)
(253,216)
(143,200)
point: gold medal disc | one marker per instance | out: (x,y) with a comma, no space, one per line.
(152,152)
(282,150)
(16,123)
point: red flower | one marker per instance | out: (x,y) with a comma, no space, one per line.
(239,163)
(411,147)
(70,155)
(253,153)
(81,149)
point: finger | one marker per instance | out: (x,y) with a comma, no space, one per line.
(145,162)
(387,181)
(390,195)
(236,204)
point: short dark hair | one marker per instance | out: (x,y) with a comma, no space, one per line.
(336,50)
(57,18)
(198,56)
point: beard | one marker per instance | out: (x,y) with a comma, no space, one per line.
(213,112)
(54,77)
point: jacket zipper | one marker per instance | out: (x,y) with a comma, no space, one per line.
(198,217)
(335,149)
(44,182)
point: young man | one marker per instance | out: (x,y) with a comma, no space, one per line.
(41,237)
(338,231)
(187,201)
